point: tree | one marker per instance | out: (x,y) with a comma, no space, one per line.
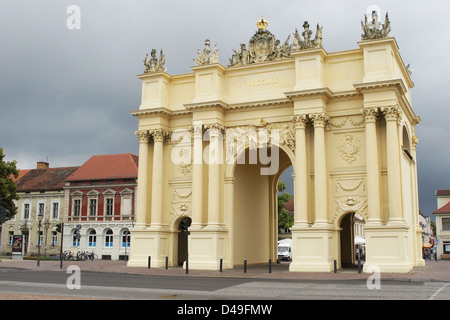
(8,186)
(285,219)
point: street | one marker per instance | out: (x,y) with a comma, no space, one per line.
(105,285)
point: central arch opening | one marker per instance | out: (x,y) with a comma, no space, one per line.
(255,222)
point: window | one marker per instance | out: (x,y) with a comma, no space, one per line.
(75,240)
(126,239)
(26,211)
(55,210)
(76,207)
(126,203)
(446,224)
(92,242)
(11,236)
(109,239)
(109,206)
(41,209)
(40,238)
(446,247)
(92,207)
(54,238)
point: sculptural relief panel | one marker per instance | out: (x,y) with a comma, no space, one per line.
(348,144)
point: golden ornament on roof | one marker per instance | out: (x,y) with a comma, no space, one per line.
(262,24)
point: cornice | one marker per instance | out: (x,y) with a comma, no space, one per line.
(154,75)
(162,111)
(396,84)
(209,66)
(324,92)
(215,104)
(259,104)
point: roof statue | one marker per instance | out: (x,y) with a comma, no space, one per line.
(307,42)
(206,57)
(263,46)
(153,64)
(374,29)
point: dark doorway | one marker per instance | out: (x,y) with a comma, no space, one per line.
(182,240)
(352,229)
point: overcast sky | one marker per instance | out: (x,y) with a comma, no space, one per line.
(66,94)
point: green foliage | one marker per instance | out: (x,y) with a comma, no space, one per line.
(8,187)
(285,219)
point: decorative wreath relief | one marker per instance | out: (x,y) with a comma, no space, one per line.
(348,149)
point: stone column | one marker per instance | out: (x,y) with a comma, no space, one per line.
(301,218)
(320,170)
(215,158)
(372,166)
(197,176)
(392,116)
(142,187)
(157,183)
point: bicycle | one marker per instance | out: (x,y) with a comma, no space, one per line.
(68,256)
(91,256)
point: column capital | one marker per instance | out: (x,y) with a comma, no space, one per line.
(392,113)
(319,119)
(143,135)
(214,129)
(300,121)
(370,114)
(159,135)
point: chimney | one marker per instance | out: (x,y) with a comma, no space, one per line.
(43,165)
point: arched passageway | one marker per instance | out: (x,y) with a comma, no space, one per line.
(255,229)
(352,245)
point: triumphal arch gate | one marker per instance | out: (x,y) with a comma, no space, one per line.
(214,142)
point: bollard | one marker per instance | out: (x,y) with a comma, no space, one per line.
(167,263)
(149,261)
(221,264)
(335,266)
(270,265)
(245,266)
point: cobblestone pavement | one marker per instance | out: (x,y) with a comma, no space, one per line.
(432,271)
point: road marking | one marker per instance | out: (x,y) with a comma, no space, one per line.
(438,291)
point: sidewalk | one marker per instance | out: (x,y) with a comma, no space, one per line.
(432,271)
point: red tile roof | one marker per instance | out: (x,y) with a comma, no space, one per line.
(111,166)
(443,209)
(290,205)
(21,174)
(50,179)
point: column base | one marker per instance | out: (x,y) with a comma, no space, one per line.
(206,248)
(147,243)
(387,249)
(313,249)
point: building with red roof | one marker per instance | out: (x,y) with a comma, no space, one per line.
(443,223)
(101,197)
(41,194)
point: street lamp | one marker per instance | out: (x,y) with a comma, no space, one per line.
(40,217)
